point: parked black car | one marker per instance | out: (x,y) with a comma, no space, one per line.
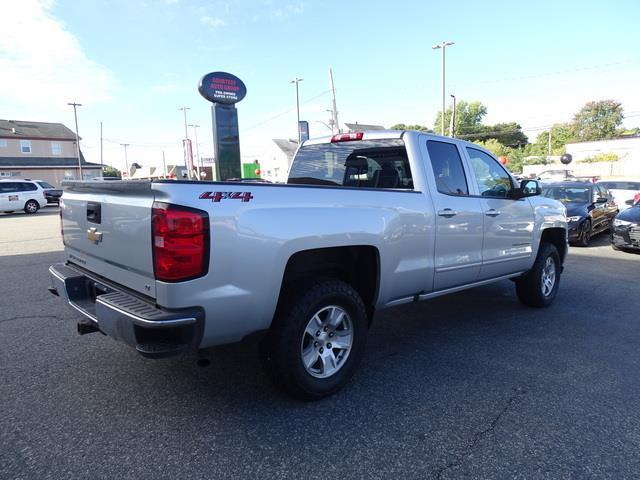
(590,208)
(51,193)
(625,234)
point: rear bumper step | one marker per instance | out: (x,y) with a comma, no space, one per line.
(153,331)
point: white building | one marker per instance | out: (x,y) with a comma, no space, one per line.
(276,160)
(628,164)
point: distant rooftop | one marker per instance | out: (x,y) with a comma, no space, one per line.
(289,147)
(25,129)
(363,126)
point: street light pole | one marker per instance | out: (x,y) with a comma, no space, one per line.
(443,46)
(452,125)
(198,158)
(75,115)
(126,160)
(296,81)
(186,141)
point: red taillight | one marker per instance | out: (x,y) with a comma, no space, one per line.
(347,137)
(180,238)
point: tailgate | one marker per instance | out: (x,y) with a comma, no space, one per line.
(106,227)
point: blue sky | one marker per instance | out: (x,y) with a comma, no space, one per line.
(133,63)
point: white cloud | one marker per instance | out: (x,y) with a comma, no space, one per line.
(43,63)
(212,22)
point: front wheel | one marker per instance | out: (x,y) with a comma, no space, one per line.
(539,286)
(585,234)
(317,339)
(31,206)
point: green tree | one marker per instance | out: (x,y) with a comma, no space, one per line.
(402,126)
(561,134)
(109,171)
(509,134)
(469,117)
(598,120)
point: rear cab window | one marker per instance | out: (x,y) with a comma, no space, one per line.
(376,164)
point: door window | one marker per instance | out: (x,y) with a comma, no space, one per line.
(491,178)
(9,187)
(27,187)
(447,168)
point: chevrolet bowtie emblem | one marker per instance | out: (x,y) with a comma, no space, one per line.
(94,235)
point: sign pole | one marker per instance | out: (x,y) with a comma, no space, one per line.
(224,90)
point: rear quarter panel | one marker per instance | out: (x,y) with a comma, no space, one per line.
(251,243)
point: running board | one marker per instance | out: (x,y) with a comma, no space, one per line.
(426,296)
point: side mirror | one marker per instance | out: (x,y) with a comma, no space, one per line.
(528,188)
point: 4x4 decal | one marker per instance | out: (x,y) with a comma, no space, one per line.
(218,196)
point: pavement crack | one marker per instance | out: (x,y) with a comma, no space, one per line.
(25,317)
(475,440)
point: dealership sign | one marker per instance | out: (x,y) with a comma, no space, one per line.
(222,87)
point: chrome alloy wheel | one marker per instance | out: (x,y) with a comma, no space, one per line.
(326,342)
(32,207)
(548,278)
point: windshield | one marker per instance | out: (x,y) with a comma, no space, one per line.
(568,194)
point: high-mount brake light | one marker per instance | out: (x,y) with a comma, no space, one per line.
(347,137)
(180,238)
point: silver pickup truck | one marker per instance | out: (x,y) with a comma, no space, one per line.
(365,222)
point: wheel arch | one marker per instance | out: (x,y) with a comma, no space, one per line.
(557,237)
(357,265)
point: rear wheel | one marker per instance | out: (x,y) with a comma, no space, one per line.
(317,339)
(539,286)
(31,206)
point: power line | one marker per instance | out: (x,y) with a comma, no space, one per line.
(284,112)
(546,74)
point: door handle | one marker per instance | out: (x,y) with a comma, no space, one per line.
(492,213)
(447,213)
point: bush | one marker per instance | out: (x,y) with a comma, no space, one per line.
(602,157)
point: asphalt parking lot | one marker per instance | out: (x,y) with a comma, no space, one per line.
(472,385)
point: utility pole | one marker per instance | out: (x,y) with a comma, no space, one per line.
(198,159)
(442,46)
(297,81)
(452,125)
(101,159)
(75,115)
(334,108)
(126,160)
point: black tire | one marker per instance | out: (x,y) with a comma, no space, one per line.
(585,234)
(31,206)
(281,349)
(529,287)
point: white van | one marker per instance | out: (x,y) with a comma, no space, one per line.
(24,195)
